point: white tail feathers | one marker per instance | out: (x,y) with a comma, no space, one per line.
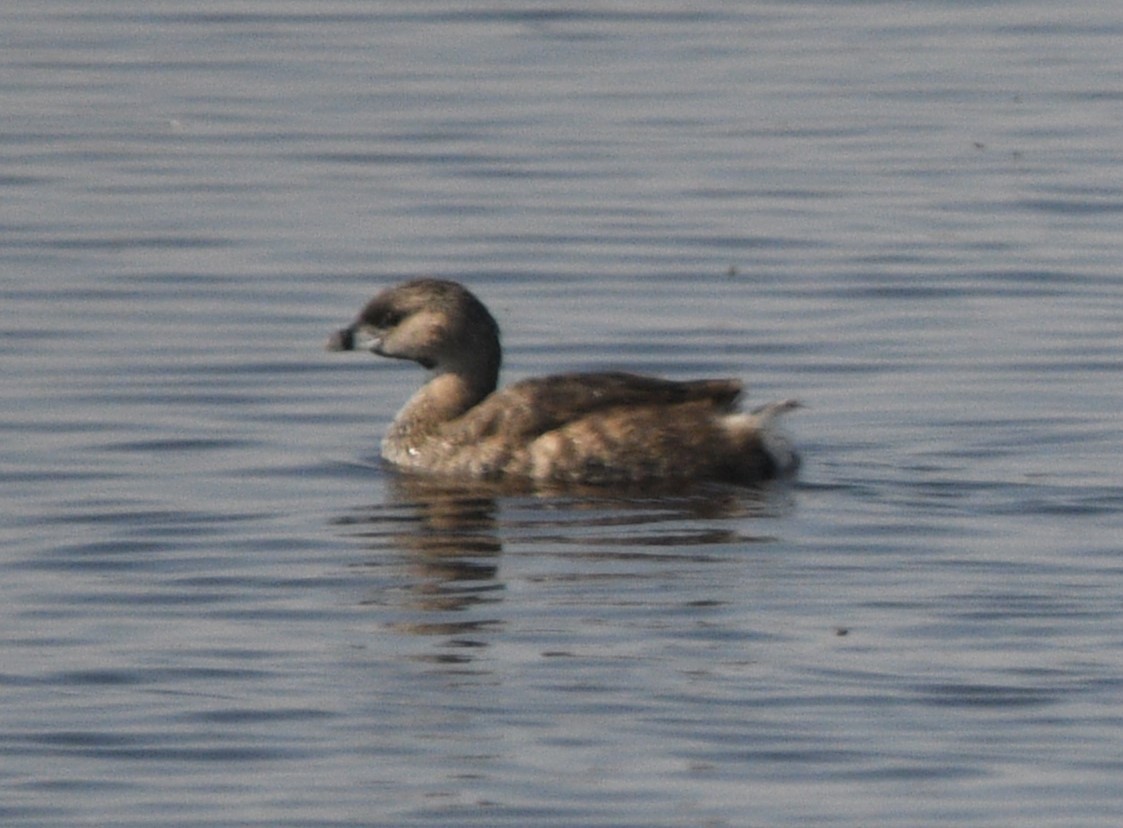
(760,429)
(770,411)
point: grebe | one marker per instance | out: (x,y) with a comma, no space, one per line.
(590,428)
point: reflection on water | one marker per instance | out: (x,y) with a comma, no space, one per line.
(442,542)
(444,548)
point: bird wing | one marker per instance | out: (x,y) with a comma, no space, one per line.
(535,406)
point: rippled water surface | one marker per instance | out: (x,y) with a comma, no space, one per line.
(217,607)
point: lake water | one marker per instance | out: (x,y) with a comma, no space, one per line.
(218,608)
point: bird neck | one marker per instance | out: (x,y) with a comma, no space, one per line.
(446,396)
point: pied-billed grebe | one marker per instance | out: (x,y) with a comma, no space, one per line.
(598,429)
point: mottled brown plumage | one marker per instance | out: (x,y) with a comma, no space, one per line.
(604,428)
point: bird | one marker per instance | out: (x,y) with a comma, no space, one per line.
(585,429)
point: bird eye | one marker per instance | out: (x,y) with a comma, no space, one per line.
(387,319)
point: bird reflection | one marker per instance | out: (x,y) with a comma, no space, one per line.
(446,573)
(442,578)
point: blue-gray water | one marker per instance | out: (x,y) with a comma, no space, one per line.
(216,608)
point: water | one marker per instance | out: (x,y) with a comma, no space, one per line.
(217,608)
